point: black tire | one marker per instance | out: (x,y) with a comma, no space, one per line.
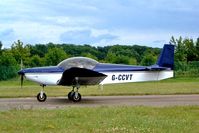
(76,98)
(41,99)
(70,95)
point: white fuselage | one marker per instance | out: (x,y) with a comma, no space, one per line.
(112,77)
(136,76)
(44,78)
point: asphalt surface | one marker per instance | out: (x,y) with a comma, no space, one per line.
(93,101)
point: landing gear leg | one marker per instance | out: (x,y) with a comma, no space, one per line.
(41,97)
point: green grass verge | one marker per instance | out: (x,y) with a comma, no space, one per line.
(12,88)
(103,119)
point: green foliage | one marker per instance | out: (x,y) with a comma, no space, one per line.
(1,45)
(186,56)
(39,49)
(184,69)
(132,61)
(55,56)
(122,55)
(186,49)
(148,60)
(20,52)
(113,58)
(36,61)
(89,55)
(8,66)
(186,52)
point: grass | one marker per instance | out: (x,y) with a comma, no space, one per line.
(12,88)
(120,119)
(103,119)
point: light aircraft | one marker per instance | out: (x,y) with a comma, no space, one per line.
(77,71)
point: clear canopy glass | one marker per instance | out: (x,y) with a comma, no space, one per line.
(81,62)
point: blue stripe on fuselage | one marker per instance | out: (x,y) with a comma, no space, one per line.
(53,69)
(100,67)
(103,67)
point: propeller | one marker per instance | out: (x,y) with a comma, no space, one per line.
(22,78)
(21,73)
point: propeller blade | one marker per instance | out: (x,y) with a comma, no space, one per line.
(22,78)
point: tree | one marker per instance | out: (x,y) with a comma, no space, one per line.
(36,61)
(180,51)
(20,52)
(132,61)
(8,66)
(139,52)
(190,49)
(38,49)
(55,56)
(1,45)
(89,55)
(197,48)
(148,60)
(120,59)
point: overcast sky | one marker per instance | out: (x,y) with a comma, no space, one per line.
(98,22)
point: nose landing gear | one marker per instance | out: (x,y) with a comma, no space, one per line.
(41,97)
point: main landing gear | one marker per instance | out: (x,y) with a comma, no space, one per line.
(74,95)
(41,96)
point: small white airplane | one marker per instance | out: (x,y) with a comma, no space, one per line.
(77,71)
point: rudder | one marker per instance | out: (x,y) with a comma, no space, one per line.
(166,58)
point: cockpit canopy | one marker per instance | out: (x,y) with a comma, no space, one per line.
(81,62)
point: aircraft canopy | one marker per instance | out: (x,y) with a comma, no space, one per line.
(80,62)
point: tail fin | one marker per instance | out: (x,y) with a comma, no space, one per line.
(166,58)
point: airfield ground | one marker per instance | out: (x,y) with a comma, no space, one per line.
(97,101)
(166,106)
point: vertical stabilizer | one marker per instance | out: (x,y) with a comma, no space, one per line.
(166,58)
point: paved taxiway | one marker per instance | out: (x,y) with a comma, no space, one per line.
(87,101)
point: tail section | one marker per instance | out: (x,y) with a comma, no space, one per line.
(166,58)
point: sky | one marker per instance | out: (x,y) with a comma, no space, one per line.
(98,22)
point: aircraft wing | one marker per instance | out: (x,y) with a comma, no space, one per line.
(81,76)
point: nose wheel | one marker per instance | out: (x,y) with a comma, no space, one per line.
(41,96)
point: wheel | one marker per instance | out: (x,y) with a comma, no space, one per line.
(41,98)
(70,95)
(76,97)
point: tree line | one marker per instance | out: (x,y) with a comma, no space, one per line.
(186,56)
(37,55)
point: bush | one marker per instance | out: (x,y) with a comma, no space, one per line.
(190,69)
(8,66)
